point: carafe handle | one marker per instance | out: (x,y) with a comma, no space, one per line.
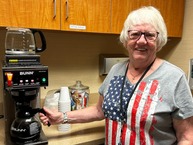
(43,40)
(41,110)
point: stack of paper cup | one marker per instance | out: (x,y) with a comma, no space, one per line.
(64,105)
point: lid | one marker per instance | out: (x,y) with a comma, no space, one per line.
(18,29)
(78,86)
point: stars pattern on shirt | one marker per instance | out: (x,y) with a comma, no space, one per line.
(112,99)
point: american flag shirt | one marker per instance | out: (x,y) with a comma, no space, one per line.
(148,119)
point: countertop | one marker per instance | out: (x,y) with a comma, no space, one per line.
(92,133)
(86,134)
(80,134)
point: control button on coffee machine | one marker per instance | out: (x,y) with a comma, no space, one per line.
(9,79)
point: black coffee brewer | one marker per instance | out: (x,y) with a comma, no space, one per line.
(23,75)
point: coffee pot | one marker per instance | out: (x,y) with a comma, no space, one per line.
(21,41)
(26,127)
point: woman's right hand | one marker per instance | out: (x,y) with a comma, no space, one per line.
(52,117)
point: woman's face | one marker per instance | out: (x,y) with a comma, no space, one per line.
(143,48)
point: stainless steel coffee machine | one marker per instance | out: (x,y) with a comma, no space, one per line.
(23,75)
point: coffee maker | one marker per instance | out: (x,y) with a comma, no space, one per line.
(23,75)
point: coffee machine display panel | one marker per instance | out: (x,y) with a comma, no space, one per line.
(17,77)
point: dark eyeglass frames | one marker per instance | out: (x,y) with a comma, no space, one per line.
(136,35)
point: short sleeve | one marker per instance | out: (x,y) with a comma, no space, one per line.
(183,100)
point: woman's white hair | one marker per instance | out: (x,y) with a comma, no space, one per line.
(145,15)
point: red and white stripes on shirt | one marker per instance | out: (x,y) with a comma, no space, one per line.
(137,130)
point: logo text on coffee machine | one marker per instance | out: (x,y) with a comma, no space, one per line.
(22,73)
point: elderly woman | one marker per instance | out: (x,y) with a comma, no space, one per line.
(145,100)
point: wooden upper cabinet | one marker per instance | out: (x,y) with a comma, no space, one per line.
(171,10)
(173,13)
(42,14)
(98,16)
(86,15)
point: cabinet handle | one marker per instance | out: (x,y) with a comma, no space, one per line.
(54,9)
(66,9)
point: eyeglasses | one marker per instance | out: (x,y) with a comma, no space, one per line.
(136,35)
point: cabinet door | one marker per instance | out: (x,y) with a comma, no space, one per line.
(171,10)
(173,13)
(86,15)
(43,14)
